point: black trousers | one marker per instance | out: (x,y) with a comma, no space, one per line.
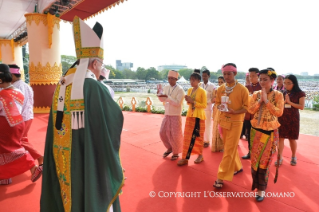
(247,126)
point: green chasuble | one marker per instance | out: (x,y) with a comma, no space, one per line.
(82,170)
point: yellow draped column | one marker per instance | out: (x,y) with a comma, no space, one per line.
(11,53)
(45,68)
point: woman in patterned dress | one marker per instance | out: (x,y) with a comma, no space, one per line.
(14,159)
(266,105)
(290,120)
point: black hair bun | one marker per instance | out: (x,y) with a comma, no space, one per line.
(197,71)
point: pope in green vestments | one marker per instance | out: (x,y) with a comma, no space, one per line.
(82,168)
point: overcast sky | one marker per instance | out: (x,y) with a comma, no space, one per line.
(283,34)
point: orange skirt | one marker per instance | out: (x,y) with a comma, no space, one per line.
(197,147)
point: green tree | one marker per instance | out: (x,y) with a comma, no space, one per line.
(152,73)
(203,69)
(67,61)
(185,72)
(112,71)
(129,74)
(25,56)
(141,73)
(164,73)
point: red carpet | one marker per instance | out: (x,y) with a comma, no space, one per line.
(147,171)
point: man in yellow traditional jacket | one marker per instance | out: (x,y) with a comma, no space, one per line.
(232,101)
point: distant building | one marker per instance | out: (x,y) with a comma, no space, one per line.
(121,66)
(304,73)
(170,67)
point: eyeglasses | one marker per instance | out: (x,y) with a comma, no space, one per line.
(102,64)
(289,83)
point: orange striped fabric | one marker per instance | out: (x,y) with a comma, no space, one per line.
(188,133)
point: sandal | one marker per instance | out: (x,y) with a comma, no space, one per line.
(280,162)
(174,157)
(240,170)
(182,162)
(218,184)
(197,161)
(206,145)
(166,153)
(37,173)
(293,161)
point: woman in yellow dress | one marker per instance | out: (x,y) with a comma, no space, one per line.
(195,121)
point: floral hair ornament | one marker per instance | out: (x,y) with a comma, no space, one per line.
(271,72)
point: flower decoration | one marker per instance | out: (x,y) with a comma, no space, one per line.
(270,72)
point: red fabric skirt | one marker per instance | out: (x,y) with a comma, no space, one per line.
(14,159)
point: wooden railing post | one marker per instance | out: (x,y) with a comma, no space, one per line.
(121,102)
(134,103)
(149,104)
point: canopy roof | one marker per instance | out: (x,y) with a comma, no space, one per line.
(12,20)
(182,79)
(88,8)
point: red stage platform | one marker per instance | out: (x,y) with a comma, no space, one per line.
(147,171)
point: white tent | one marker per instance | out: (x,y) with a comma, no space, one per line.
(182,80)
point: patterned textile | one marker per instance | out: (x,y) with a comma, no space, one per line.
(217,141)
(14,159)
(263,148)
(9,99)
(171,133)
(259,179)
(6,181)
(27,108)
(197,148)
(290,119)
(8,157)
(265,115)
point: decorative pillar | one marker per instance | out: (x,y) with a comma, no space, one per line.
(11,53)
(45,68)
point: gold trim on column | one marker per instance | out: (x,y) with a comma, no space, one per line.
(45,75)
(47,20)
(41,110)
(11,42)
(36,17)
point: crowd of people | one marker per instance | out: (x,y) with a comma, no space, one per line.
(87,122)
(265,114)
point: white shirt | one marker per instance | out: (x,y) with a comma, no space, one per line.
(27,108)
(174,100)
(109,88)
(2,113)
(209,87)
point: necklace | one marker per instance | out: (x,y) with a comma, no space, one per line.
(229,90)
(169,92)
(8,87)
